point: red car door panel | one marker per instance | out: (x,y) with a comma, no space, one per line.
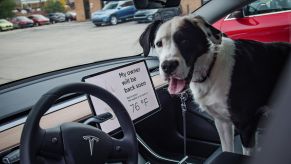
(260,27)
(265,24)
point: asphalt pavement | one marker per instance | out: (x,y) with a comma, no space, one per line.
(32,51)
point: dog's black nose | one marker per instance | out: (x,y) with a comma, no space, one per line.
(169,66)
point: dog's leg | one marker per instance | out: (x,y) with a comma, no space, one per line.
(226,134)
(258,147)
(248,142)
(255,146)
(247,150)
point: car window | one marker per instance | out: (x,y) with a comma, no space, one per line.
(22,18)
(39,16)
(110,6)
(267,6)
(129,3)
(95,33)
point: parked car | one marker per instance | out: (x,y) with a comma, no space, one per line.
(70,15)
(57,17)
(149,15)
(255,21)
(5,25)
(39,19)
(114,12)
(22,22)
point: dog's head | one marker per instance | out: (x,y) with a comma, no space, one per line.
(179,43)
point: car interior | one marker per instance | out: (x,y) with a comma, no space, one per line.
(61,117)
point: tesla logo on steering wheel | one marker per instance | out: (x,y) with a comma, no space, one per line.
(92,140)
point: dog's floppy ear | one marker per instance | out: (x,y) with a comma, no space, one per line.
(212,33)
(147,38)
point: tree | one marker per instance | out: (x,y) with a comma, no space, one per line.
(63,2)
(54,6)
(6,7)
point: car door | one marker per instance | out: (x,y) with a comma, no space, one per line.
(130,8)
(15,22)
(126,10)
(257,24)
(32,18)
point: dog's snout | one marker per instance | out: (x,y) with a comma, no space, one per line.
(169,66)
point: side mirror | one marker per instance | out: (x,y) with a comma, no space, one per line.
(118,8)
(238,14)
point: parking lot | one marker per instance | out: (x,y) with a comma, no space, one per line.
(31,51)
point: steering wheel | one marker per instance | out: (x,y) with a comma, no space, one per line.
(76,143)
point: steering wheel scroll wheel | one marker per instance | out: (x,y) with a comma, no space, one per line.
(76,143)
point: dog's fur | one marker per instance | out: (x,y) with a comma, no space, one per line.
(232,80)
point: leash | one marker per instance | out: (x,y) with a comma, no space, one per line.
(183,97)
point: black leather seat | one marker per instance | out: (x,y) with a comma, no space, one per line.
(237,146)
(218,155)
(230,158)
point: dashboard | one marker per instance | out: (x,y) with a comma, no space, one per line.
(17,100)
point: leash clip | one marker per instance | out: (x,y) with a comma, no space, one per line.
(183,98)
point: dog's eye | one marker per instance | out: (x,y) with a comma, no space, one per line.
(159,44)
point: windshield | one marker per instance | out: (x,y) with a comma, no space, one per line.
(60,14)
(32,49)
(110,6)
(23,18)
(3,21)
(39,16)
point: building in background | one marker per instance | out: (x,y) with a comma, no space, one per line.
(187,6)
(30,3)
(84,8)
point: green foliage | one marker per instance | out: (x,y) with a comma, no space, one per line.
(54,6)
(6,7)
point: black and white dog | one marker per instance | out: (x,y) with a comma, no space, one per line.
(232,80)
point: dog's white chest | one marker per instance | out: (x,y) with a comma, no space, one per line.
(212,95)
(212,100)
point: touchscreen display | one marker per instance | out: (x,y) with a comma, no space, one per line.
(132,85)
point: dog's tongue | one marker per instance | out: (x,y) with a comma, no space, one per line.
(176,86)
